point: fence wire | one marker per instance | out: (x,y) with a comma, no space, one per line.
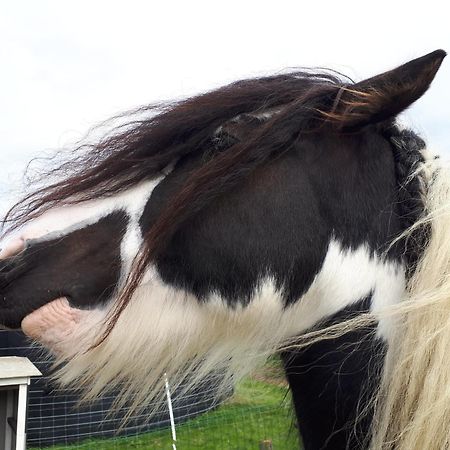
(259,411)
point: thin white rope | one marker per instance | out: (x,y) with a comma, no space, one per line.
(172,420)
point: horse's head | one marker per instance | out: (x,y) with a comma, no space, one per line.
(224,225)
(86,249)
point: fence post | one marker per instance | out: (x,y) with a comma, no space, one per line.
(266,444)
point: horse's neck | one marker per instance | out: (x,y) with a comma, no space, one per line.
(332,383)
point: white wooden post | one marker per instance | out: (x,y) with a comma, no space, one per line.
(15,374)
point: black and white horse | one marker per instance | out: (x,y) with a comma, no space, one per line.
(285,214)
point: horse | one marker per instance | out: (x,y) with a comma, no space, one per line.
(288,214)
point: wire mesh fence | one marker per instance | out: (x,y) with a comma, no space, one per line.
(259,410)
(243,428)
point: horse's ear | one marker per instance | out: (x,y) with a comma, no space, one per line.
(386,95)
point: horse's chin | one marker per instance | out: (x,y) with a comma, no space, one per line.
(52,324)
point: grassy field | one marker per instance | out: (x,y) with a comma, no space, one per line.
(259,410)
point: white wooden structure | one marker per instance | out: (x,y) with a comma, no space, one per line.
(15,374)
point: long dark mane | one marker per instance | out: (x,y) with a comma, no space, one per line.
(142,147)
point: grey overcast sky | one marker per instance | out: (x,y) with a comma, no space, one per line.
(66,65)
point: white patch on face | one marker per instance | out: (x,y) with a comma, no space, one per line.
(61,221)
(168,331)
(132,239)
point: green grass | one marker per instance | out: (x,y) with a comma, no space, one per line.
(260,409)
